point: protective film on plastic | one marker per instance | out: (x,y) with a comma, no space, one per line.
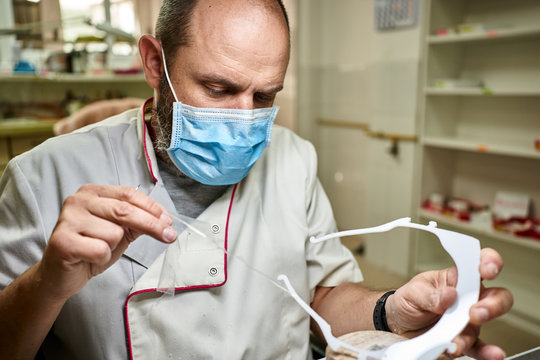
(184,226)
(465,251)
(200,232)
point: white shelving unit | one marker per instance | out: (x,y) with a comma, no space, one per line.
(477,141)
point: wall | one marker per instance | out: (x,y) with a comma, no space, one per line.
(6,42)
(349,71)
(287,99)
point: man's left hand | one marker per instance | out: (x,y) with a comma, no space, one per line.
(417,305)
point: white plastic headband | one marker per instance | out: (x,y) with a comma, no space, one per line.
(465,251)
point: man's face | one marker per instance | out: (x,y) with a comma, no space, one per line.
(237,58)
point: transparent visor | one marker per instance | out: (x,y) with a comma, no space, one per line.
(464,250)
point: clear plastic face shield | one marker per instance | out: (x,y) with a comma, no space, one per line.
(464,250)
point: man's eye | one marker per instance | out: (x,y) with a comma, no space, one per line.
(216,92)
(265,97)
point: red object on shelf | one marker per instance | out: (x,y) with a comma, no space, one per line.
(492,33)
(519,226)
(441,32)
(457,208)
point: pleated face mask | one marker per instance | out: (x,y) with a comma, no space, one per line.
(217,146)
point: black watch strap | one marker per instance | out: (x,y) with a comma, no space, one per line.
(379,313)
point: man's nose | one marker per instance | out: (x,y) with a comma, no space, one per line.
(244,102)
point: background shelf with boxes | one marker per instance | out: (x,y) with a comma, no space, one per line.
(480,132)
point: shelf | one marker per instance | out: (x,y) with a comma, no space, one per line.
(469,228)
(25,127)
(470,146)
(72,78)
(477,92)
(508,33)
(479,140)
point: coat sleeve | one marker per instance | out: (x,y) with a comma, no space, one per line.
(22,238)
(329,263)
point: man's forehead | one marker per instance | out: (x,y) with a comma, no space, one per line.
(242,29)
(213,15)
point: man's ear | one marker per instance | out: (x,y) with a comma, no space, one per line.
(150,51)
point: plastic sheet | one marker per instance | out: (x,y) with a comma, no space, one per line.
(196,231)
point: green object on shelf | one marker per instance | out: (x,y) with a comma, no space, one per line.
(89,38)
(487,91)
(25,127)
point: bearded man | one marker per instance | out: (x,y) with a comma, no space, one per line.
(87,219)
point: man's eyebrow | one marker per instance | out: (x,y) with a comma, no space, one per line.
(273,90)
(216,79)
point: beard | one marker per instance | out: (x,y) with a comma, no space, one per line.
(163,119)
(162,124)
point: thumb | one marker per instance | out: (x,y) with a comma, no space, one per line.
(447,295)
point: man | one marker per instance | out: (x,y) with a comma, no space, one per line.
(94,266)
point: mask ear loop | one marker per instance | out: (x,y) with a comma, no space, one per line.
(167,75)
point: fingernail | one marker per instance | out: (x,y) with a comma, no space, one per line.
(482,314)
(460,344)
(169,234)
(492,269)
(166,219)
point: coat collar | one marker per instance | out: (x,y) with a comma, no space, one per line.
(144,138)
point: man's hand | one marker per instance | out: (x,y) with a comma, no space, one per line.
(417,305)
(95,227)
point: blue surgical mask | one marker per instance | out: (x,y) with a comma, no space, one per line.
(217,146)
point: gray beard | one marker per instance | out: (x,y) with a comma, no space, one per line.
(162,123)
(163,120)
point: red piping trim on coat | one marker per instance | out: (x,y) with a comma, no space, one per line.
(150,167)
(128,333)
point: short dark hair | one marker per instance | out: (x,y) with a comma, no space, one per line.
(173,23)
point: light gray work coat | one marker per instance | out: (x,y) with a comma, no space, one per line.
(222,308)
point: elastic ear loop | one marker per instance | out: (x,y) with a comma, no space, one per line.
(167,74)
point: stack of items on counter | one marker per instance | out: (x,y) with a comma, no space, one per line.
(509,213)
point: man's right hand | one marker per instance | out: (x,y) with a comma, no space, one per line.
(96,225)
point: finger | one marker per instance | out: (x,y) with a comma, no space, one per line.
(466,339)
(493,303)
(137,220)
(130,195)
(99,228)
(491,264)
(419,303)
(122,205)
(482,351)
(76,248)
(442,293)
